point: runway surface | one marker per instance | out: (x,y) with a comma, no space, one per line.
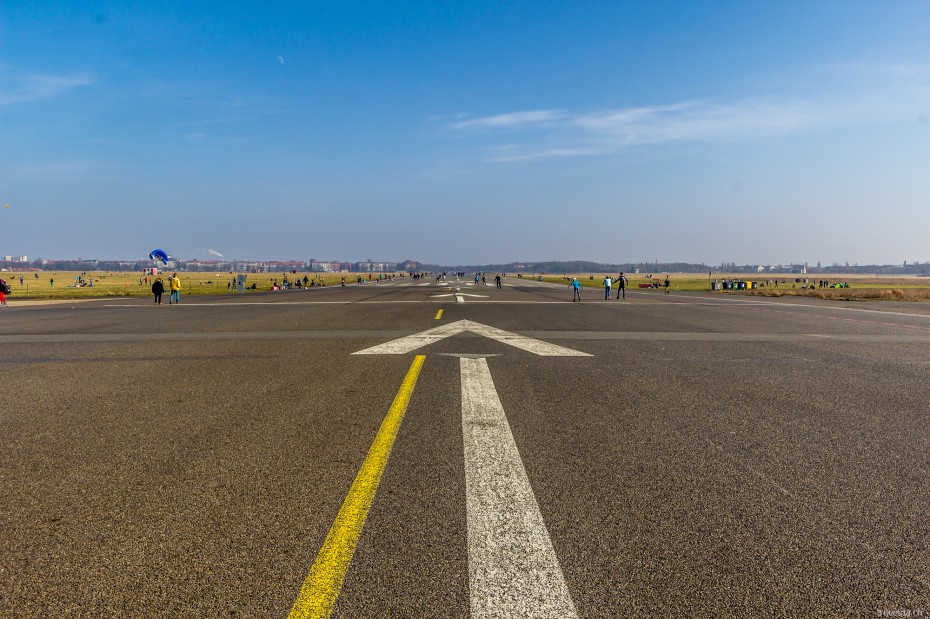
(449,450)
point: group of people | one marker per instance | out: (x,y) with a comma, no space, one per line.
(158,289)
(621,281)
(286,284)
(484,282)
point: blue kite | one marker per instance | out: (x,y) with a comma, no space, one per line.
(159,254)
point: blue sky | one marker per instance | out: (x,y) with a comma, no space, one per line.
(766,132)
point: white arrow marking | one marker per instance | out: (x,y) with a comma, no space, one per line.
(512,567)
(418,340)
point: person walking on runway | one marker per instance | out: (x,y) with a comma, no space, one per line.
(175,284)
(158,289)
(576,288)
(621,286)
(607,283)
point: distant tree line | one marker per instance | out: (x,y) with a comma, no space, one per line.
(572,266)
(552,266)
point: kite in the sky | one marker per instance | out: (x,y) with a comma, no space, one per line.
(159,254)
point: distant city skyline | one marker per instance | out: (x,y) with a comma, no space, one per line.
(479,133)
(19,263)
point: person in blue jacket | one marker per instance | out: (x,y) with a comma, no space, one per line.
(576,287)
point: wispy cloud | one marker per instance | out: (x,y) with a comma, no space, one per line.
(213,252)
(606,132)
(697,120)
(512,119)
(68,170)
(37,86)
(549,133)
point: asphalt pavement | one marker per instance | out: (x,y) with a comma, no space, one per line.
(695,454)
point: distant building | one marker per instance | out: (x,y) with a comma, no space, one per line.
(242,266)
(205,265)
(374,267)
(328,266)
(290,265)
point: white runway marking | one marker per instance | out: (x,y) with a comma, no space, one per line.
(231,303)
(418,340)
(355,335)
(459,296)
(512,567)
(135,304)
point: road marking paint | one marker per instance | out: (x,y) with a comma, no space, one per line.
(148,305)
(459,294)
(409,343)
(647,336)
(512,567)
(438,314)
(537,347)
(321,588)
(418,340)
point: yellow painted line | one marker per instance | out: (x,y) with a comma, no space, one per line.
(438,314)
(321,588)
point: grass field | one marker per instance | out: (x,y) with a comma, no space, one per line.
(119,284)
(686,281)
(116,284)
(861,287)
